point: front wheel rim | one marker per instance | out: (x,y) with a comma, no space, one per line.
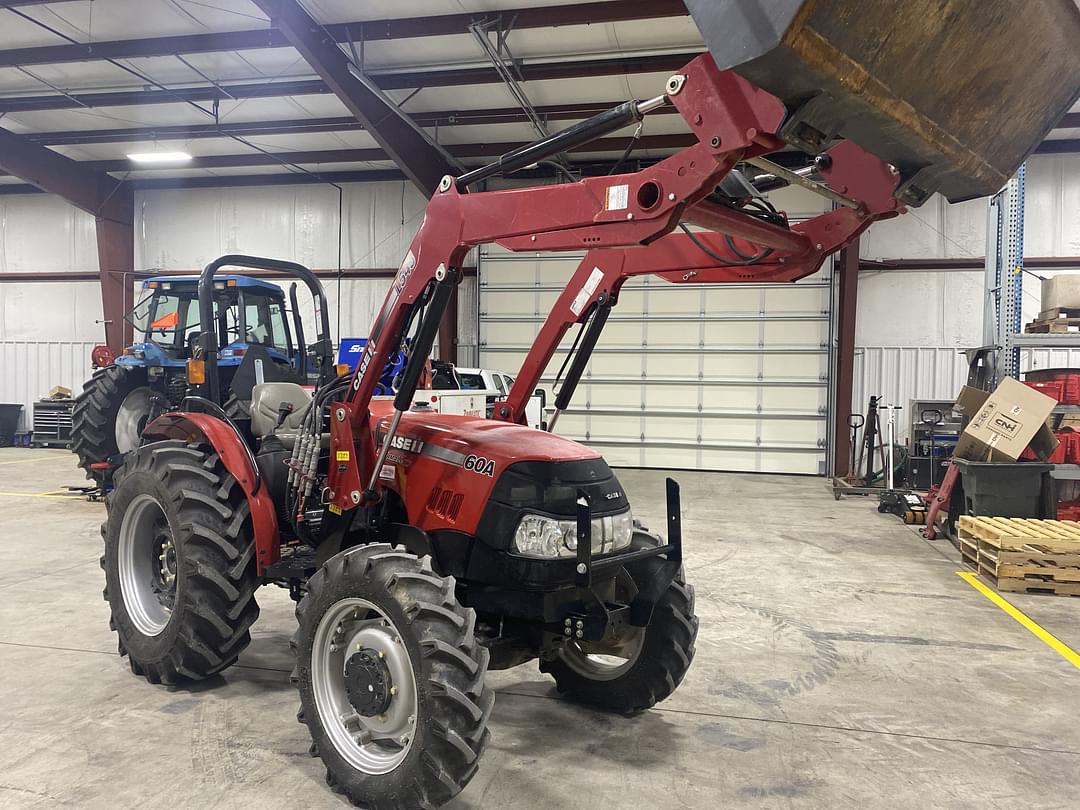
(146,565)
(606,661)
(355,630)
(132,416)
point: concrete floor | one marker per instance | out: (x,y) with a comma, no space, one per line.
(841,663)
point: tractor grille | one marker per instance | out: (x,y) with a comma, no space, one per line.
(445,503)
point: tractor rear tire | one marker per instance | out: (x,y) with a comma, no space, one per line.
(658,664)
(382,616)
(93,417)
(179,563)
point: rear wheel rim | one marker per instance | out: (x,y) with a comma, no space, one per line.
(146,558)
(377,744)
(131,418)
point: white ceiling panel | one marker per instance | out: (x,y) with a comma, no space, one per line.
(224,67)
(179,113)
(538,44)
(200,147)
(127,19)
(105,118)
(68,76)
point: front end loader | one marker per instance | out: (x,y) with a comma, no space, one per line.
(424,549)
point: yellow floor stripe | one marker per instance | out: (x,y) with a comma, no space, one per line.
(30,460)
(1029,624)
(35,495)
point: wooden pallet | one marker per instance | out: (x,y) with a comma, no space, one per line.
(1057,326)
(1022,554)
(1058,312)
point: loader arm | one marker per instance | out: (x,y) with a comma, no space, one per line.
(625,221)
(682,259)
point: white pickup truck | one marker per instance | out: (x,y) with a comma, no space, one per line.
(496,385)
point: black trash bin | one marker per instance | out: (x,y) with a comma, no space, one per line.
(9,422)
(1023,489)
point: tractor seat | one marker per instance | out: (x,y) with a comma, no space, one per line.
(266,401)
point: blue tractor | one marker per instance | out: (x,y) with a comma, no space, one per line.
(260,335)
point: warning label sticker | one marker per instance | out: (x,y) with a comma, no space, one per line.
(617,197)
(587,290)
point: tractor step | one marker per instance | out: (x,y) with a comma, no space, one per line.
(298,563)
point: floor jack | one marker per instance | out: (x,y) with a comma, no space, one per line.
(852,483)
(905,504)
(95,492)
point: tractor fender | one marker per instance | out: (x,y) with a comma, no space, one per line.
(235,455)
(412,538)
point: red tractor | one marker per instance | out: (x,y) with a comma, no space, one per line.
(424,549)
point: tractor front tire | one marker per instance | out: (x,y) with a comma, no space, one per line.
(655,666)
(391,680)
(179,563)
(93,417)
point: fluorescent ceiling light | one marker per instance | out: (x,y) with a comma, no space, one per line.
(159,157)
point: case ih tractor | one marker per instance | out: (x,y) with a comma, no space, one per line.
(425,549)
(253,324)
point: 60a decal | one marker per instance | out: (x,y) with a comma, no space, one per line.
(479,464)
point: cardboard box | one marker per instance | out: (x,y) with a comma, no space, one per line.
(1061,292)
(58,392)
(1005,422)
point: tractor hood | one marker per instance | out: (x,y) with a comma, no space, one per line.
(458,437)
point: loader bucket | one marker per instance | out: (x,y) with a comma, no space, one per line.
(954,93)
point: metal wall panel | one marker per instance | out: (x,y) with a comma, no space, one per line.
(940,230)
(731,377)
(184,229)
(902,373)
(28,369)
(51,310)
(40,233)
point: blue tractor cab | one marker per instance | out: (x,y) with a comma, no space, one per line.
(256,332)
(248,311)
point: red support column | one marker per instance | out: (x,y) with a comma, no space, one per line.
(116,264)
(847,267)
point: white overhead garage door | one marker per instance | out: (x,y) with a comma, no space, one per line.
(710,377)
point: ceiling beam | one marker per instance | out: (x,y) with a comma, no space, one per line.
(369,30)
(422,161)
(324,156)
(585,168)
(299,126)
(1064,146)
(392,80)
(343,123)
(84,187)
(590,168)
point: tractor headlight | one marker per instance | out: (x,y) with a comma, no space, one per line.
(550,538)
